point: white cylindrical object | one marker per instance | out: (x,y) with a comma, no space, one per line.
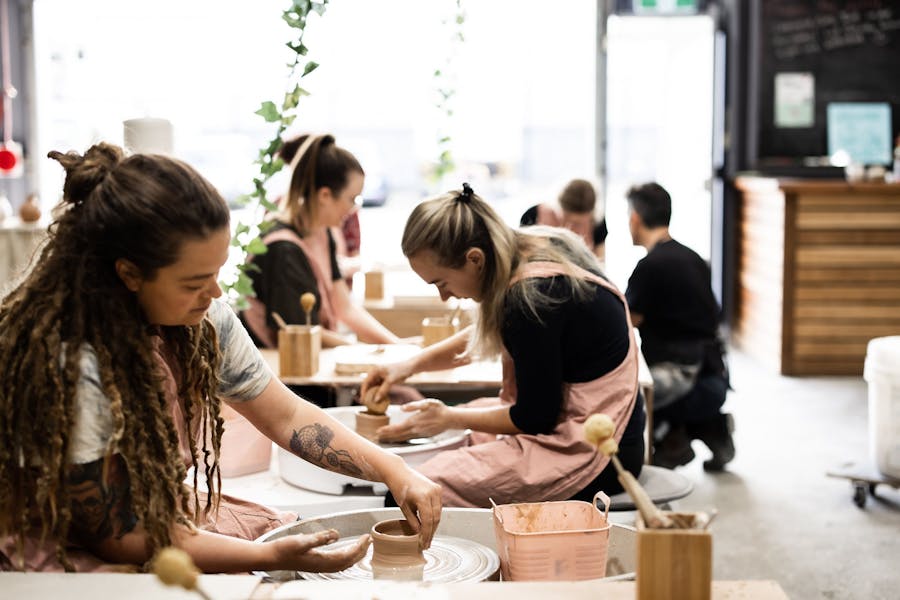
(882,373)
(148,135)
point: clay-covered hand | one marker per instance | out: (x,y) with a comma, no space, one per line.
(420,500)
(382,378)
(430,417)
(302,552)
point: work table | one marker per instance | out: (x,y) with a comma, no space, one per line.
(248,587)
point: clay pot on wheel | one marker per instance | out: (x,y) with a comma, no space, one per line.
(367,424)
(396,553)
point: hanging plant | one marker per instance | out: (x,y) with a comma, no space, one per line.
(445,88)
(282,114)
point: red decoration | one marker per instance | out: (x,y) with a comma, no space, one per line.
(8,159)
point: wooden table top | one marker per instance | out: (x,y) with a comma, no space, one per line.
(479,374)
(249,587)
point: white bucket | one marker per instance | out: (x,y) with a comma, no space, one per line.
(882,373)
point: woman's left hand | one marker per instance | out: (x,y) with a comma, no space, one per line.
(431,418)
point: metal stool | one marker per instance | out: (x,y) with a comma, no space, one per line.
(661,484)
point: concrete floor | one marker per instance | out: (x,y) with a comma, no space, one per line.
(780,517)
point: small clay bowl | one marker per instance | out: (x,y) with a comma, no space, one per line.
(396,553)
(367,424)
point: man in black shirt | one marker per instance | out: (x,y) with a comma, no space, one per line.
(672,304)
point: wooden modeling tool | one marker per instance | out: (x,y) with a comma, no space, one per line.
(307,302)
(279,320)
(598,431)
(174,566)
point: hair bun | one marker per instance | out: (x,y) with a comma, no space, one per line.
(85,173)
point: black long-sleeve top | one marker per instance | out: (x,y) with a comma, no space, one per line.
(575,341)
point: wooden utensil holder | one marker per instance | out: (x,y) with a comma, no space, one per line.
(673,564)
(298,350)
(435,329)
(374,285)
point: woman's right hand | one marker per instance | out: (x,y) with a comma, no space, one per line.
(302,552)
(383,377)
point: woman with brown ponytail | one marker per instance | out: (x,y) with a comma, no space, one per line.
(115,356)
(567,348)
(326,179)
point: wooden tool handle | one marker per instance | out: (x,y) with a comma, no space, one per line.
(653,517)
(307,302)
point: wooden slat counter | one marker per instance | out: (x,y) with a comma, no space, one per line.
(818,272)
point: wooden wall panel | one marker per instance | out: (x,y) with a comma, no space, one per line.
(826,267)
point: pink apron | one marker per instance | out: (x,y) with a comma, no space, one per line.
(235,517)
(548,215)
(317,252)
(534,468)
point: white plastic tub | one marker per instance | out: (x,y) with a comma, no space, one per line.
(882,373)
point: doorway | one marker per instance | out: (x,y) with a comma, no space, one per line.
(661,105)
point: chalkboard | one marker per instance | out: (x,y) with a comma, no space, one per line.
(850,48)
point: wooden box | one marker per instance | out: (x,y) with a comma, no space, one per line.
(673,564)
(374,285)
(298,350)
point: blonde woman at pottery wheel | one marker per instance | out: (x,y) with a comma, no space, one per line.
(568,351)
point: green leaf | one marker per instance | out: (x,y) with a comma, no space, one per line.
(244,285)
(268,205)
(252,267)
(265,226)
(299,48)
(256,246)
(301,6)
(309,68)
(243,199)
(298,22)
(319,7)
(241,228)
(268,111)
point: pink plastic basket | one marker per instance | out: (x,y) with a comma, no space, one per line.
(552,541)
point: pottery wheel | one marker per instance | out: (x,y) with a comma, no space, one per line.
(449,560)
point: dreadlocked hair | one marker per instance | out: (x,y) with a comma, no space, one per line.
(141,208)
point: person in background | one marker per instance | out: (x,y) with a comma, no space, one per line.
(326,181)
(567,349)
(116,355)
(575,211)
(673,306)
(348,241)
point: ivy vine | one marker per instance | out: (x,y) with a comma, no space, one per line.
(445,87)
(247,235)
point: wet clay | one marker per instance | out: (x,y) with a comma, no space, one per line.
(396,553)
(367,424)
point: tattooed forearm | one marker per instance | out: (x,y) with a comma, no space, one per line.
(313,443)
(100,509)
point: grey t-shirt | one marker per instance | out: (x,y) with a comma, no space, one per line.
(243,375)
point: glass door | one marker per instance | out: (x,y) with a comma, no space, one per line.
(661,94)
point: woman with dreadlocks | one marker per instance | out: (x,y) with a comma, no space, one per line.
(115,355)
(567,349)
